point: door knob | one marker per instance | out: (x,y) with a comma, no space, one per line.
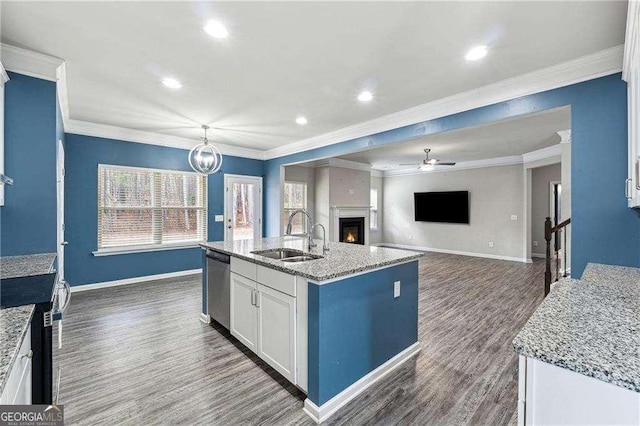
(64,243)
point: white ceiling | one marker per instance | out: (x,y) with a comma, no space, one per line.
(283,58)
(505,138)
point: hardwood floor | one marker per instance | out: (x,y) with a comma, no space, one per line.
(138,354)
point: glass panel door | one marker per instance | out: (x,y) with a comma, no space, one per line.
(243,208)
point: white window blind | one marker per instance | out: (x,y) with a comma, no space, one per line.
(148,207)
(295,197)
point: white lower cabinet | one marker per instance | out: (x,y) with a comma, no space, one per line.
(276,330)
(264,320)
(17,389)
(551,395)
(244,316)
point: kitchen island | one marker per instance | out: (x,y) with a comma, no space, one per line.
(332,322)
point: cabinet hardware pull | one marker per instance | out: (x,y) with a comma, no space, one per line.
(626,188)
(253,297)
(257,299)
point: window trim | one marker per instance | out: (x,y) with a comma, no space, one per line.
(374,209)
(142,248)
(306,201)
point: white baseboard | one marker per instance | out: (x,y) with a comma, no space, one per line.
(205,318)
(134,280)
(539,255)
(326,410)
(461,253)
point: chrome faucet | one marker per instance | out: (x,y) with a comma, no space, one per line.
(311,244)
(325,247)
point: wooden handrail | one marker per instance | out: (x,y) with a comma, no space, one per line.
(560,225)
(548,233)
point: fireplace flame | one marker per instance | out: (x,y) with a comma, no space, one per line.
(350,238)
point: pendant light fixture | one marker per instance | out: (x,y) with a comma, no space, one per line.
(205,158)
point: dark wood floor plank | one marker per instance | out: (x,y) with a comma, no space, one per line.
(137,354)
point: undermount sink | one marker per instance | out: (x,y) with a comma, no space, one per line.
(287,255)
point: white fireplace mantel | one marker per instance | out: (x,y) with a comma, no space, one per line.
(338,212)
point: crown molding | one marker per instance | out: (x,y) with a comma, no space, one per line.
(599,64)
(345,164)
(87,128)
(4,77)
(565,136)
(464,165)
(631,56)
(377,173)
(30,63)
(542,154)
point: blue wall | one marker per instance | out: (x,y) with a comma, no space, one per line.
(29,213)
(379,327)
(83,154)
(604,229)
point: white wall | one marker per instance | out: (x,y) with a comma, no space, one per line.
(495,194)
(540,208)
(348,187)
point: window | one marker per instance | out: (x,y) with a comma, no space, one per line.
(148,208)
(295,197)
(373,220)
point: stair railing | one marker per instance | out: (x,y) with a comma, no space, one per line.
(560,232)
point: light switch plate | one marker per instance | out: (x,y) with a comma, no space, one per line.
(491,244)
(219,218)
(396,289)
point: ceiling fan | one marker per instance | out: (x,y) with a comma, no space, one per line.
(428,163)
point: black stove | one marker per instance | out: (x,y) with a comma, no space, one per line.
(21,291)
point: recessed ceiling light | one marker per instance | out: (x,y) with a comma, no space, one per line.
(215,29)
(476,53)
(301,120)
(365,96)
(171,83)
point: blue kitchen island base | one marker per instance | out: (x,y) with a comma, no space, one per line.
(358,333)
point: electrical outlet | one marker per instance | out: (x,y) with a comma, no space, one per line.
(411,237)
(219,218)
(514,217)
(535,244)
(491,244)
(396,289)
(351,192)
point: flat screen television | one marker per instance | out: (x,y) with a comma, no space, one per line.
(445,207)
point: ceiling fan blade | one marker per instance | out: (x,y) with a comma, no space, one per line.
(445,164)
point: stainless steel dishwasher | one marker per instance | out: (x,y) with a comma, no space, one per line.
(218,282)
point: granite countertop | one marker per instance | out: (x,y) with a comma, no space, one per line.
(27,265)
(589,327)
(342,259)
(14,323)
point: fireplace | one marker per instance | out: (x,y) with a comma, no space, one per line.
(352,230)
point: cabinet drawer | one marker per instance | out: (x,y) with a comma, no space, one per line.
(244,268)
(17,389)
(277,280)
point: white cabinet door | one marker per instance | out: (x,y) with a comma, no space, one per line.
(276,328)
(17,389)
(244,315)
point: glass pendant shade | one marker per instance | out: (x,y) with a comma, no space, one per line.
(205,158)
